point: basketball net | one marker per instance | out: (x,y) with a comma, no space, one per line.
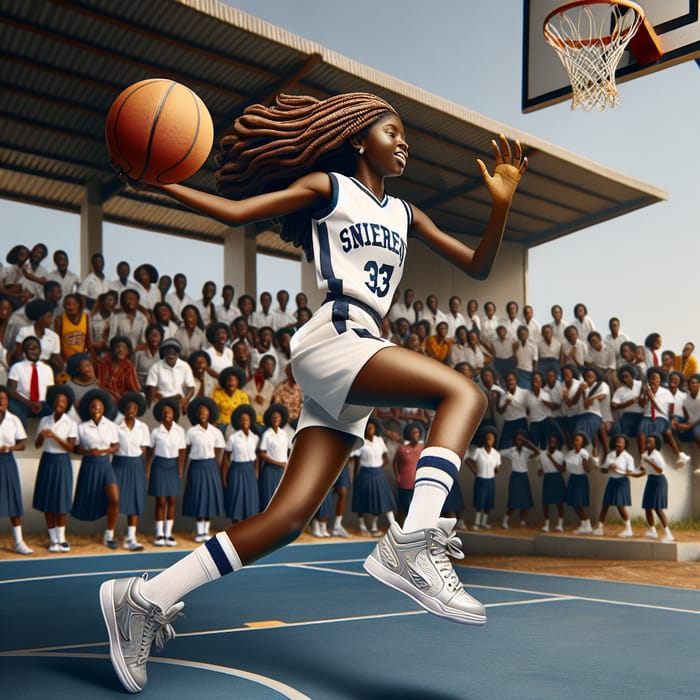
(590,38)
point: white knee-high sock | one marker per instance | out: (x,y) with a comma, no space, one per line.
(211,561)
(436,471)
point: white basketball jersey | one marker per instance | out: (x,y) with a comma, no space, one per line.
(360,243)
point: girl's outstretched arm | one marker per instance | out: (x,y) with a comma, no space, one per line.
(501,186)
(305,192)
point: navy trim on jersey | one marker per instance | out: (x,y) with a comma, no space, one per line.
(409,212)
(339,314)
(332,204)
(219,556)
(335,286)
(369,192)
(350,300)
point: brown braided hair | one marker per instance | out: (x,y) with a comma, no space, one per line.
(268,148)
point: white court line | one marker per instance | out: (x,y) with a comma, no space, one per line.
(265,681)
(138,572)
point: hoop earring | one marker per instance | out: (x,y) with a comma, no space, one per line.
(361,150)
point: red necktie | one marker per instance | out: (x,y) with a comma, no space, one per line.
(34,384)
(656,358)
(653,409)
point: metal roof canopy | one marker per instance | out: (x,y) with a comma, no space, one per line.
(63,63)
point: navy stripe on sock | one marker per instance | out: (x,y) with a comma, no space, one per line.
(438,463)
(432,481)
(219,556)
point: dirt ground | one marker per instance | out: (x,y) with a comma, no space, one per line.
(675,574)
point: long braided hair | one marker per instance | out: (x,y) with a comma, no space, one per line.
(267,148)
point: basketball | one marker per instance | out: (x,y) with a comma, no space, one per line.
(159,132)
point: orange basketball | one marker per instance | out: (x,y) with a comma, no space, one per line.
(159,132)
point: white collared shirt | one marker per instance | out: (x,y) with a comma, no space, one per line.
(132,441)
(202,443)
(242,447)
(170,381)
(275,444)
(168,443)
(65,428)
(11,430)
(97,436)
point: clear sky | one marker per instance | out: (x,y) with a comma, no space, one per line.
(640,267)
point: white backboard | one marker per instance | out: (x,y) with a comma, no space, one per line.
(545,81)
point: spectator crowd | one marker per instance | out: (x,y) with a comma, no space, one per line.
(110,368)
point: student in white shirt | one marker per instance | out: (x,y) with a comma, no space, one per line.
(281,316)
(53,489)
(525,354)
(95,283)
(28,395)
(484,462)
(626,400)
(657,402)
(573,349)
(129,464)
(239,470)
(558,323)
(178,298)
(551,469)
(96,490)
(204,492)
(272,451)
(548,351)
(12,438)
(619,464)
(165,462)
(532,325)
(512,321)
(263,317)
(578,466)
(513,407)
(615,339)
(455,319)
(584,324)
(655,497)
(689,425)
(519,492)
(68,280)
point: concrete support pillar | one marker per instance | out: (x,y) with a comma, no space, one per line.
(90,226)
(240,262)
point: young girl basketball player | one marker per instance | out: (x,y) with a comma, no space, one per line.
(321,167)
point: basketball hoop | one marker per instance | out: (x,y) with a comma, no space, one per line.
(590,36)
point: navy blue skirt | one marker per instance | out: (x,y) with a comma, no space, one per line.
(553,489)
(647,426)
(53,488)
(90,501)
(629,423)
(327,508)
(540,431)
(484,493)
(270,477)
(588,424)
(618,492)
(454,501)
(655,493)
(577,491)
(371,493)
(131,477)
(10,489)
(164,480)
(241,498)
(343,480)
(204,492)
(519,493)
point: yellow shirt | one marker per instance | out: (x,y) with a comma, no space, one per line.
(228,404)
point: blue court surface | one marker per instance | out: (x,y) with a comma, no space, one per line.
(308,622)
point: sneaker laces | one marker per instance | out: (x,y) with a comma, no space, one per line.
(158,628)
(442,545)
